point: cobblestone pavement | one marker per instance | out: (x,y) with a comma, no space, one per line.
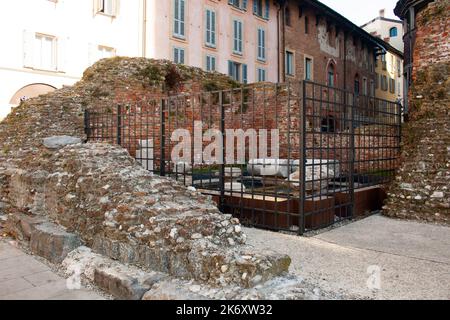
(23,277)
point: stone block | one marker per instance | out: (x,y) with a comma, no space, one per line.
(171,290)
(58,142)
(53,242)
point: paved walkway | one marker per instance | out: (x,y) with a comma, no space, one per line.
(22,277)
(412,259)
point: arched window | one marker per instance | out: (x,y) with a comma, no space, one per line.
(331,75)
(357,86)
(393,32)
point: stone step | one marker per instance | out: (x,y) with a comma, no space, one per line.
(214,265)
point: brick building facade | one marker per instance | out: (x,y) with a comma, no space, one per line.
(323,46)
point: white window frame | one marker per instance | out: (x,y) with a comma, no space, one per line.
(107,7)
(102,48)
(54,52)
(210,63)
(179,19)
(261,74)
(210,28)
(239,4)
(261,39)
(238,37)
(174,53)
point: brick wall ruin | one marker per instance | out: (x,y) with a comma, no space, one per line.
(421,190)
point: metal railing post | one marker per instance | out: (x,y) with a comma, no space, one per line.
(222,165)
(302,160)
(119,125)
(162,169)
(87,129)
(352,158)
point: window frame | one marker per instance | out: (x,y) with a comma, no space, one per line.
(180,49)
(53,54)
(211,28)
(238,29)
(288,72)
(261,44)
(180,22)
(208,59)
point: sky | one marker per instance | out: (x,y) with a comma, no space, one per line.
(362,11)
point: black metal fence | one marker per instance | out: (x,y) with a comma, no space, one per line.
(294,157)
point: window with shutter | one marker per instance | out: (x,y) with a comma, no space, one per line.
(210,63)
(237,37)
(178,55)
(179,18)
(261,44)
(210,28)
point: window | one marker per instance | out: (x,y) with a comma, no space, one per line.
(384,83)
(377,80)
(237,36)
(289,63)
(237,71)
(328,125)
(210,63)
(364,88)
(308,68)
(45,52)
(287,16)
(357,86)
(105,52)
(261,8)
(178,55)
(107,7)
(391,85)
(372,88)
(306,24)
(179,18)
(331,75)
(399,68)
(393,32)
(261,74)
(210,28)
(240,4)
(261,44)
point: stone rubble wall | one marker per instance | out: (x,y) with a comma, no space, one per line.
(100,194)
(422,187)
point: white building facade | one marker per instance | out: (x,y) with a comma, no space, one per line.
(49,43)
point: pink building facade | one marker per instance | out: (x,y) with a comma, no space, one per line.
(235,37)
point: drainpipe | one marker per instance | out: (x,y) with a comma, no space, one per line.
(345,60)
(279,65)
(144,29)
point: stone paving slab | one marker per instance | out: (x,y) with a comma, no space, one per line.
(22,277)
(410,258)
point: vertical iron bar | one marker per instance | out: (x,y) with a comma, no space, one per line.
(87,124)
(352,158)
(302,161)
(162,169)
(119,124)
(222,165)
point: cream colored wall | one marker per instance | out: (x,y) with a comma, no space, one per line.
(391,73)
(78,31)
(160,29)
